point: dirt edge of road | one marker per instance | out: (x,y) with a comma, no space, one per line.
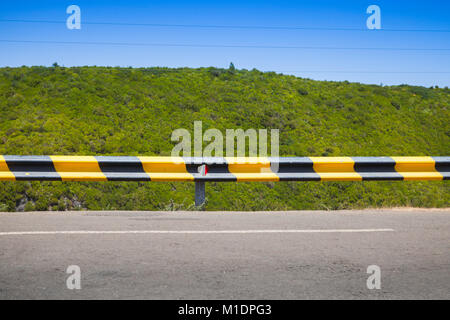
(379,210)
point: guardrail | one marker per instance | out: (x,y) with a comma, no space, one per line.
(201,170)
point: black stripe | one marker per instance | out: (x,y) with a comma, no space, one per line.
(376,168)
(122,168)
(28,168)
(217,169)
(442,164)
(294,169)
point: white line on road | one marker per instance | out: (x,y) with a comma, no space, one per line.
(26,233)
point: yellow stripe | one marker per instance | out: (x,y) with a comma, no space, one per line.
(335,168)
(166,168)
(417,168)
(78,168)
(5,174)
(251,169)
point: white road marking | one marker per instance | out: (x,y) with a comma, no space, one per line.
(37,233)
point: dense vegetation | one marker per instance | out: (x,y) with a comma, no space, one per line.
(125,111)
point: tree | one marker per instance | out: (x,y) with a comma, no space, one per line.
(232,68)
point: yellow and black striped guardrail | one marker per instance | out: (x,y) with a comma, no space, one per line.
(108,168)
(104,168)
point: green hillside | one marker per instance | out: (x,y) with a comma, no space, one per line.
(125,111)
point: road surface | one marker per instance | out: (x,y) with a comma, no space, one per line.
(213,255)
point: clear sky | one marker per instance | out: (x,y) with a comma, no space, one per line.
(246,47)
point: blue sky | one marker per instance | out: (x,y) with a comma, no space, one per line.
(415,67)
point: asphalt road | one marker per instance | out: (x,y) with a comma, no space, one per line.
(210,255)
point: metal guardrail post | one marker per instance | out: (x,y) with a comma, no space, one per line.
(200,197)
(199,193)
